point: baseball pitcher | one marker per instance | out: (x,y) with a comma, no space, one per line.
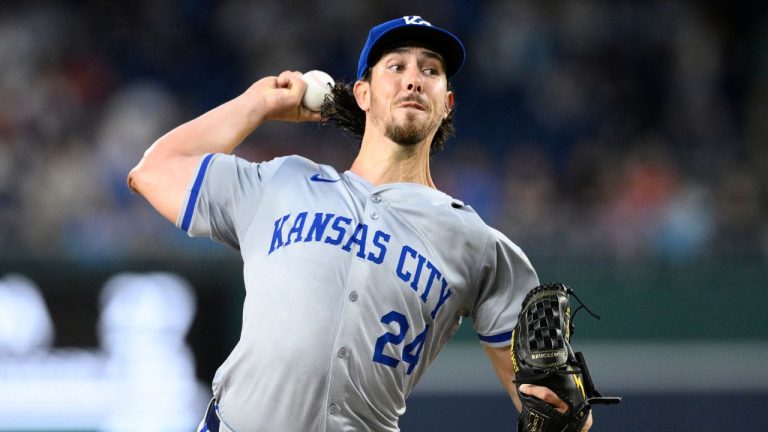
(355,280)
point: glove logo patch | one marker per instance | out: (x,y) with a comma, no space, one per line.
(579,385)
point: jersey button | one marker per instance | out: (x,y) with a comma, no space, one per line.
(353,296)
(333,409)
(343,353)
(376,198)
(374,215)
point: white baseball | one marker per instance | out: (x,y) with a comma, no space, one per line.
(319,84)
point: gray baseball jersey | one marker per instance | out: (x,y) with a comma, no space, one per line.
(351,289)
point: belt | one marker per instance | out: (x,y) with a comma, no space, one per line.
(211,423)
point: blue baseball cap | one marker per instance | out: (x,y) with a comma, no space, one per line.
(411,29)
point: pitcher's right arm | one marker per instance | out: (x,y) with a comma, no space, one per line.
(165,171)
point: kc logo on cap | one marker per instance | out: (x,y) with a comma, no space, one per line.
(415,19)
(411,28)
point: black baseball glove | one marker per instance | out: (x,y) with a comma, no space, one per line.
(542,355)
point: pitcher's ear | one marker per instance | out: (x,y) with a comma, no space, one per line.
(450,101)
(362,91)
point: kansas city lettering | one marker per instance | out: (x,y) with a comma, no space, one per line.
(419,273)
(330,229)
(416,270)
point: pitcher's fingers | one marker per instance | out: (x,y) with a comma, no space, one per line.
(546,395)
(285,77)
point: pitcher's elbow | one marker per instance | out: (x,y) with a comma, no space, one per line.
(135,177)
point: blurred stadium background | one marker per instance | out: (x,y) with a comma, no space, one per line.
(623,145)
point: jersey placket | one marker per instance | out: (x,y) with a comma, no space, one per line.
(344,352)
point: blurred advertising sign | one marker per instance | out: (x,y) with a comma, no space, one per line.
(141,376)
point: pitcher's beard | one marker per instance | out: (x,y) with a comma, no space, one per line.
(407,134)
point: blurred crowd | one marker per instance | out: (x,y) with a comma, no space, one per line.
(630,130)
